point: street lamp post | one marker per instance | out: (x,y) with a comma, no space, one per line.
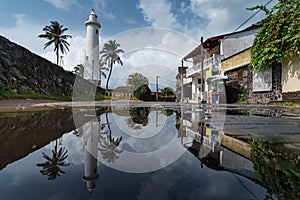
(157,88)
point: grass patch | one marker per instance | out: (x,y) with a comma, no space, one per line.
(99,97)
(91,97)
(8,94)
(288,104)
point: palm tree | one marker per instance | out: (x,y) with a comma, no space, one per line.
(55,34)
(110,53)
(51,167)
(79,70)
(102,69)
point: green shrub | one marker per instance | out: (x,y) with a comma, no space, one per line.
(167,91)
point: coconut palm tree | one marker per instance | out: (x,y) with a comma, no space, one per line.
(79,70)
(101,70)
(110,54)
(55,34)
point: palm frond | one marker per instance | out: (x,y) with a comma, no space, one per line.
(54,33)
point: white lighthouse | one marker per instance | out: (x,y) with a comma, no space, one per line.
(91,67)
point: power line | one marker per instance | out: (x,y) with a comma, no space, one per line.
(251,17)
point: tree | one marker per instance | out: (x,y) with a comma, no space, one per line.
(79,70)
(102,69)
(55,34)
(137,80)
(167,91)
(279,38)
(110,54)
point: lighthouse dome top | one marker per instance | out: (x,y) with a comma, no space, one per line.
(93,16)
(92,19)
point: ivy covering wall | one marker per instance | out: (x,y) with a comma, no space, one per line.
(279,37)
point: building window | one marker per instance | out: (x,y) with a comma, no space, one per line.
(96,31)
(199,80)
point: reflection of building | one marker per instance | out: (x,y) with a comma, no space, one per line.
(194,127)
(90,139)
(214,149)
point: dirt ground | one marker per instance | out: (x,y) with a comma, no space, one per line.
(23,102)
(16,105)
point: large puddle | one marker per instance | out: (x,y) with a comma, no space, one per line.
(151,152)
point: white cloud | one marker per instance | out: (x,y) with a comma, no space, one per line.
(130,21)
(223,16)
(151,52)
(103,7)
(73,57)
(158,13)
(64,4)
(210,17)
(24,33)
(150,63)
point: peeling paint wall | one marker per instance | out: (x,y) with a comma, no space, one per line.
(291,74)
(236,61)
(235,43)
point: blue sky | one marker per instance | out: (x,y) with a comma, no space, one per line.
(137,23)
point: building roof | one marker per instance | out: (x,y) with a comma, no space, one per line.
(124,89)
(211,42)
(194,53)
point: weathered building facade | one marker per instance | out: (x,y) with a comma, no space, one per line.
(208,55)
(290,79)
(247,84)
(230,55)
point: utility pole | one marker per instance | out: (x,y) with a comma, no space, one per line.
(181,81)
(203,96)
(156,88)
(202,73)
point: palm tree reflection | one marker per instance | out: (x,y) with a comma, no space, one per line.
(52,166)
(109,147)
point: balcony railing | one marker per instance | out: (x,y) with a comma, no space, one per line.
(212,63)
(193,70)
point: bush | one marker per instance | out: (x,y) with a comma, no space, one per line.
(167,91)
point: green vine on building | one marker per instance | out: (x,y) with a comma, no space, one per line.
(279,37)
